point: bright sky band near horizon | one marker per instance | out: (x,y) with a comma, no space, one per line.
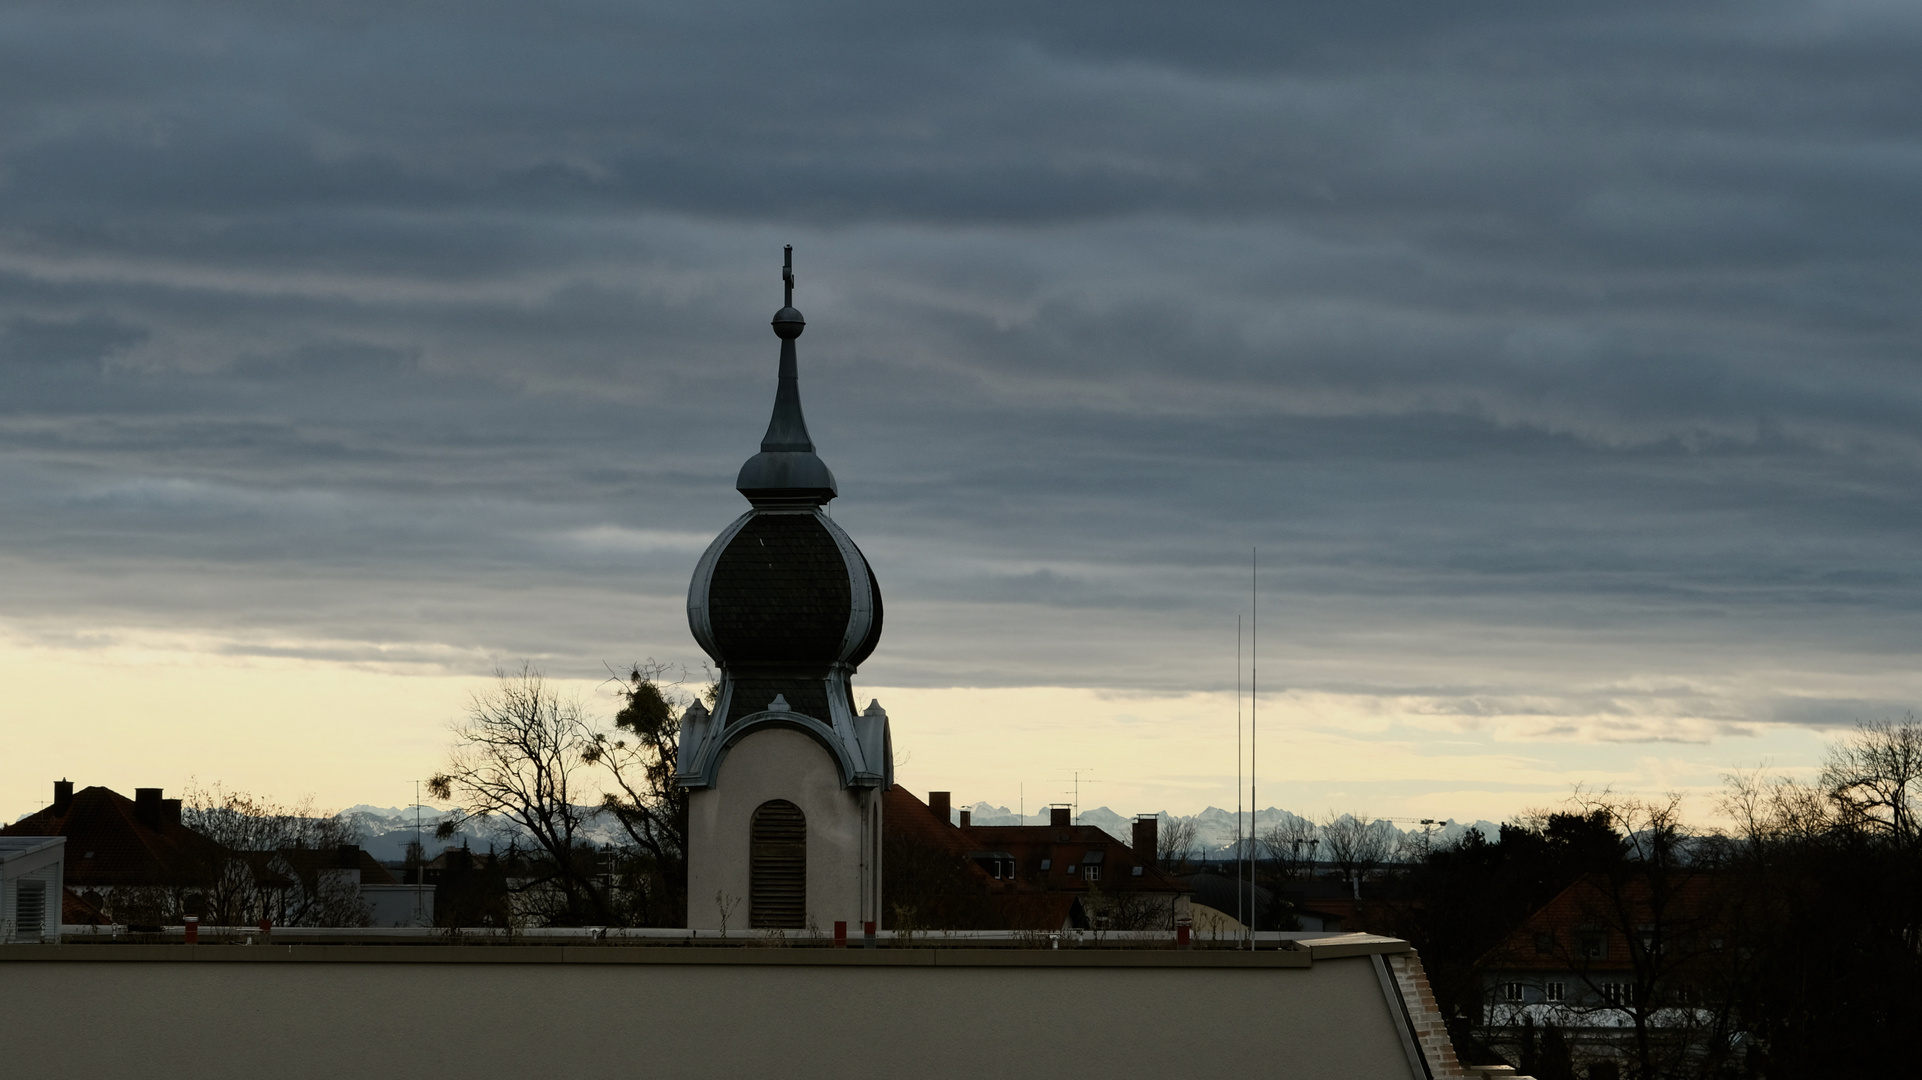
(1561,362)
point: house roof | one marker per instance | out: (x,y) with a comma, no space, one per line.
(1069,852)
(1597,913)
(308,861)
(78,910)
(109,843)
(978,900)
(905,817)
(1076,846)
(1220,892)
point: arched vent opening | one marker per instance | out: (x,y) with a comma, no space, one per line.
(778,867)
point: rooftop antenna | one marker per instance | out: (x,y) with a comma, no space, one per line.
(1240,913)
(1254,641)
(1077,792)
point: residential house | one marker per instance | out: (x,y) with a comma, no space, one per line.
(1610,956)
(132,862)
(943,874)
(130,859)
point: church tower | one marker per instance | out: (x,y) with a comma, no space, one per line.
(784,777)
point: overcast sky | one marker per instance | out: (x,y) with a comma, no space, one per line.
(1561,361)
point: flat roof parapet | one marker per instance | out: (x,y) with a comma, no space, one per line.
(1291,954)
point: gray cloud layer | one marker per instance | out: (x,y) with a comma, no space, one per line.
(1566,355)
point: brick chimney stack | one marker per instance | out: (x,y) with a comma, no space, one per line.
(1058,816)
(938,803)
(62,797)
(146,806)
(1147,839)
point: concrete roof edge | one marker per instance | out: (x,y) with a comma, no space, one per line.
(1096,957)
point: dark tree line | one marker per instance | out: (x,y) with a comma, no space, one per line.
(1791,945)
(1831,877)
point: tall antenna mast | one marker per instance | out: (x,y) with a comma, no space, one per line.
(1239,912)
(1254,643)
(420,858)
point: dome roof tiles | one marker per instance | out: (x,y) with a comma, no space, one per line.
(780,592)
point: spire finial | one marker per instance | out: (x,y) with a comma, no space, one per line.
(787,471)
(787,321)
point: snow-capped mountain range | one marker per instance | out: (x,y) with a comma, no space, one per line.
(1215,828)
(386,831)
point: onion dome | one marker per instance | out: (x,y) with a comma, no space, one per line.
(783,600)
(785,604)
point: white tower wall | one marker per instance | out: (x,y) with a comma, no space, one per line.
(843,833)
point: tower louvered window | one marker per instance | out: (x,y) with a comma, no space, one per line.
(778,867)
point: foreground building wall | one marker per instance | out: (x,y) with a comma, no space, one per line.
(518,1011)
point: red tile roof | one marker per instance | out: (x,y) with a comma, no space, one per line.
(78,910)
(108,843)
(1595,912)
(1077,847)
(1032,898)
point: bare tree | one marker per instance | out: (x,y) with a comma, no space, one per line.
(1356,844)
(1873,777)
(517,756)
(1127,910)
(1768,810)
(1840,855)
(1175,844)
(266,861)
(1292,845)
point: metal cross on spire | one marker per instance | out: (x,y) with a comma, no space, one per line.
(787,277)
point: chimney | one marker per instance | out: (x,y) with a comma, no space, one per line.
(1058,817)
(348,857)
(170,811)
(146,806)
(1147,838)
(967,818)
(938,802)
(62,797)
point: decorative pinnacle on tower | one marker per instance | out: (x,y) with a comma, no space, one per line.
(787,471)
